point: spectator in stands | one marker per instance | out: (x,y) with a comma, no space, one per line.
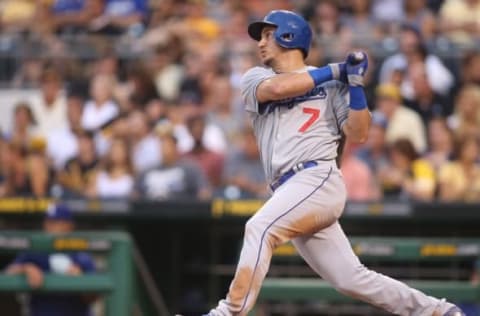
(69,17)
(29,74)
(50,107)
(374,151)
(440,143)
(328,27)
(145,147)
(120,16)
(213,138)
(359,180)
(167,73)
(470,70)
(62,142)
(176,178)
(118,127)
(101,108)
(440,78)
(466,118)
(28,173)
(142,87)
(243,174)
(156,111)
(459,20)
(402,121)
(58,220)
(209,161)
(459,180)
(114,178)
(16,15)
(24,127)
(218,100)
(79,170)
(389,13)
(420,16)
(360,24)
(427,102)
(197,25)
(408,176)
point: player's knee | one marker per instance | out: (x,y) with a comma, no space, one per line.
(258,228)
(253,227)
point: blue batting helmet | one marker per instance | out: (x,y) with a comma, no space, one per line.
(292,30)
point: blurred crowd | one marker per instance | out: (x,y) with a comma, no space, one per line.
(148,105)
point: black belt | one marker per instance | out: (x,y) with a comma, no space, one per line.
(290,173)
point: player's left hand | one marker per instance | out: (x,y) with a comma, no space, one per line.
(356,67)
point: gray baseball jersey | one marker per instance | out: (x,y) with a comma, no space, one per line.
(298,129)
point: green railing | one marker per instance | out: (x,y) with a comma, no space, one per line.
(116,282)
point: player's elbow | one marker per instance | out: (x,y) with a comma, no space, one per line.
(358,135)
(358,139)
(270,90)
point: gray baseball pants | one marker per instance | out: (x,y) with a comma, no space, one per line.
(305,210)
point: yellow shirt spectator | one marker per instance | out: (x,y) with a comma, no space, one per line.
(460,186)
(461,20)
(13,11)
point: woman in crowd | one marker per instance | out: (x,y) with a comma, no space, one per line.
(459,180)
(114,179)
(407,176)
(466,118)
(440,143)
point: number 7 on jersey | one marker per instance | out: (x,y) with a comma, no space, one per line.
(314,115)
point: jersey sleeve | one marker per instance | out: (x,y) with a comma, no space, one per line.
(248,86)
(340,102)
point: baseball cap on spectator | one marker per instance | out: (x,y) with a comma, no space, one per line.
(388,91)
(59,212)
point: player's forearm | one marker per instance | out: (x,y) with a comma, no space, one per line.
(357,125)
(288,85)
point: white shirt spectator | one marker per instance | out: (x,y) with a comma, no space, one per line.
(95,116)
(61,146)
(387,10)
(439,77)
(146,154)
(213,138)
(114,188)
(51,117)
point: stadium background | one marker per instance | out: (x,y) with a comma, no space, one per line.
(129,112)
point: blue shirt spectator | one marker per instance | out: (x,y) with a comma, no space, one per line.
(49,304)
(125,7)
(34,265)
(68,6)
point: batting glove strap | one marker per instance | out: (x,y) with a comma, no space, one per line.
(355,80)
(358,101)
(339,71)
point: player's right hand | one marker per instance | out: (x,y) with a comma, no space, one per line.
(356,67)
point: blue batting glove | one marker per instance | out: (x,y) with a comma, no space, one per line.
(339,71)
(356,67)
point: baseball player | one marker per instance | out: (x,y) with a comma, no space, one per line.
(299,115)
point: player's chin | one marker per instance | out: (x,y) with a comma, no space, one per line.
(267,61)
